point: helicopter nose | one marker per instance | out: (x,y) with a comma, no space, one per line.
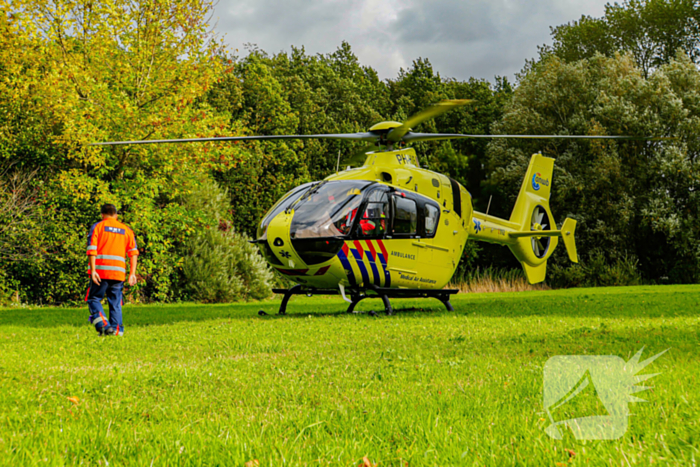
(280,244)
(297,253)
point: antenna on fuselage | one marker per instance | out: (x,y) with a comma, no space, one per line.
(337,164)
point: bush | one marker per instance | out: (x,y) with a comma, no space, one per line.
(623,273)
(8,288)
(467,263)
(596,272)
(221,266)
(562,277)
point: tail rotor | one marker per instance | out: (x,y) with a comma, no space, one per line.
(540,221)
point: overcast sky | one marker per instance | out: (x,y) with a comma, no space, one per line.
(479,38)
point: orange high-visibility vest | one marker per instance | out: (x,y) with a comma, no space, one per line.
(111,242)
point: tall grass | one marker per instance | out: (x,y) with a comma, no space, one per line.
(492,279)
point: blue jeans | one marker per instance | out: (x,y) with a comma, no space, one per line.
(113,290)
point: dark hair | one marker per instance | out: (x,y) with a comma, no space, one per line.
(109,209)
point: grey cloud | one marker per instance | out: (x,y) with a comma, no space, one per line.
(290,19)
(445,21)
(478,38)
(276,26)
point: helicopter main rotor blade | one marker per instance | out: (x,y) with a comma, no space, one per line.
(413,137)
(433,111)
(366,136)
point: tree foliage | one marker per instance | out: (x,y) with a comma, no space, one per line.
(76,72)
(652,31)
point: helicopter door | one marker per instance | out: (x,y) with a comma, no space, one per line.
(434,254)
(401,239)
(370,239)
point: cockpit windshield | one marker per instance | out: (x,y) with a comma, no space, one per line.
(327,209)
(281,205)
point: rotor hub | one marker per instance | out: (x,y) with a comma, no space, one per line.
(384,127)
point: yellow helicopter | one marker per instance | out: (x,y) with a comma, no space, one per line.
(391,229)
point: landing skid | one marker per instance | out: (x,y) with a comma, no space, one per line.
(356,296)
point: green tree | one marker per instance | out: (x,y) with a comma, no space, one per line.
(651,30)
(77,72)
(418,87)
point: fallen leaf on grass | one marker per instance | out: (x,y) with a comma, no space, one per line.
(571,452)
(253,463)
(74,400)
(367,463)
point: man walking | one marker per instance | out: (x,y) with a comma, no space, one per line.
(109,244)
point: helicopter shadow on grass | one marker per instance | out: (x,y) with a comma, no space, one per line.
(657,302)
(133,315)
(172,314)
(374,312)
(607,303)
(370,308)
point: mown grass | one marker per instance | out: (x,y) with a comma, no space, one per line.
(220,385)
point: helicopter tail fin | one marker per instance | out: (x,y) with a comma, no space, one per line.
(537,236)
(534,191)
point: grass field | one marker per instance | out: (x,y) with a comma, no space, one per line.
(220,385)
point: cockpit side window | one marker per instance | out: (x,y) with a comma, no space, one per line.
(405,217)
(375,218)
(432,218)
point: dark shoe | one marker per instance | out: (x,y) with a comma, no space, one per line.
(100,323)
(114,331)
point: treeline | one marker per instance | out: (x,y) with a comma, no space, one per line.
(115,70)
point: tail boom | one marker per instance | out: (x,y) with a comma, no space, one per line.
(500,231)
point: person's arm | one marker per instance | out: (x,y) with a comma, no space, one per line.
(132,273)
(93,273)
(132,251)
(92,252)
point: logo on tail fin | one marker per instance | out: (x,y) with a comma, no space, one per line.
(537,179)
